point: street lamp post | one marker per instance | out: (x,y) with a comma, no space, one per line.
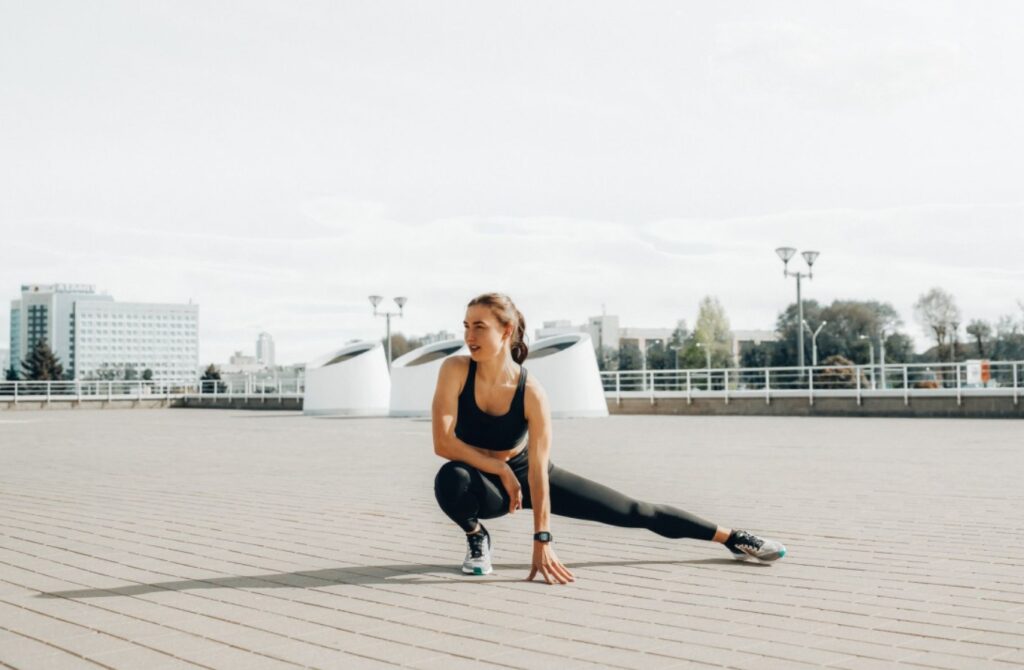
(871,358)
(785,253)
(400,301)
(814,341)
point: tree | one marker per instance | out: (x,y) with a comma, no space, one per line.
(899,348)
(981,332)
(713,332)
(629,356)
(212,378)
(761,355)
(400,344)
(42,364)
(147,375)
(847,321)
(1009,342)
(130,373)
(12,374)
(938,315)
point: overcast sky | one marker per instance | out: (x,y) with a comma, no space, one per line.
(277,162)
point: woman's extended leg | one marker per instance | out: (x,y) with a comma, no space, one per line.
(581,498)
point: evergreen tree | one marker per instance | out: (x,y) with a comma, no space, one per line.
(42,364)
(12,374)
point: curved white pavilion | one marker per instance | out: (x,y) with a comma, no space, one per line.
(414,376)
(567,368)
(352,381)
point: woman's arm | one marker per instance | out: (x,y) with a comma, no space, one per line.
(445,411)
(538,416)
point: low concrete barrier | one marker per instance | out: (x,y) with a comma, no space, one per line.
(243,402)
(90,403)
(989,407)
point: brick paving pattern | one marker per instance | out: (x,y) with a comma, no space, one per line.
(227,539)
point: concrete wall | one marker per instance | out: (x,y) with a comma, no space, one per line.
(240,403)
(152,403)
(71,403)
(995,407)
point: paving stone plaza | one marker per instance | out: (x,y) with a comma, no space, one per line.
(182,538)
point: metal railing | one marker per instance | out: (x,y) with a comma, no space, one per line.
(85,391)
(996,378)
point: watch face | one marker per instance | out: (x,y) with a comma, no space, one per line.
(542,537)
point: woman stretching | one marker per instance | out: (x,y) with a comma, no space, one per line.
(484,407)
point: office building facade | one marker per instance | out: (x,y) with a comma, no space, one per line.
(95,337)
(122,340)
(47,312)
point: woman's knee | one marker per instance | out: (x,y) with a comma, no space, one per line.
(452,480)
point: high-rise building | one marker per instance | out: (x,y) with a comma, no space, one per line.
(47,312)
(96,338)
(265,350)
(15,336)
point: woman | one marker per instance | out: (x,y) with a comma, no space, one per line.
(491,421)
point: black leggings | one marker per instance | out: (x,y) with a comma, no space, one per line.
(467,494)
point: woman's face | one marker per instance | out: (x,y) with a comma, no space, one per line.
(484,334)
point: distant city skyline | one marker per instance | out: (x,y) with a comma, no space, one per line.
(279,164)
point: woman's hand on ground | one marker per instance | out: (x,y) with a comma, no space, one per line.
(547,564)
(515,490)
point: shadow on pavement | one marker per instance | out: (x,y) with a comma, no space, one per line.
(405,574)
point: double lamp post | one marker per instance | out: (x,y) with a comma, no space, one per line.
(400,301)
(785,253)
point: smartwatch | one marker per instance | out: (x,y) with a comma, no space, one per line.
(542,536)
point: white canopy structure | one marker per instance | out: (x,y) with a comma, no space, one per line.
(352,381)
(414,376)
(566,367)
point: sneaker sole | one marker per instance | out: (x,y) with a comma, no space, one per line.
(476,571)
(767,558)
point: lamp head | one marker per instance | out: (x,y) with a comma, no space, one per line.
(375,300)
(785,253)
(400,301)
(810,257)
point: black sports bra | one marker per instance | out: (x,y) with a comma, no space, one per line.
(479,429)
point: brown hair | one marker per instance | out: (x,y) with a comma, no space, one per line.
(507,313)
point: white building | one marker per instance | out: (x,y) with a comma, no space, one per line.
(566,367)
(414,377)
(240,363)
(604,331)
(352,381)
(113,338)
(439,336)
(265,350)
(47,312)
(552,328)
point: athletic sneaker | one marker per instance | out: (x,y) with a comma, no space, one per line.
(478,556)
(743,545)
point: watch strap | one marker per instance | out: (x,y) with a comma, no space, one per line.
(542,536)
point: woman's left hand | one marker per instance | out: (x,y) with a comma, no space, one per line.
(546,563)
